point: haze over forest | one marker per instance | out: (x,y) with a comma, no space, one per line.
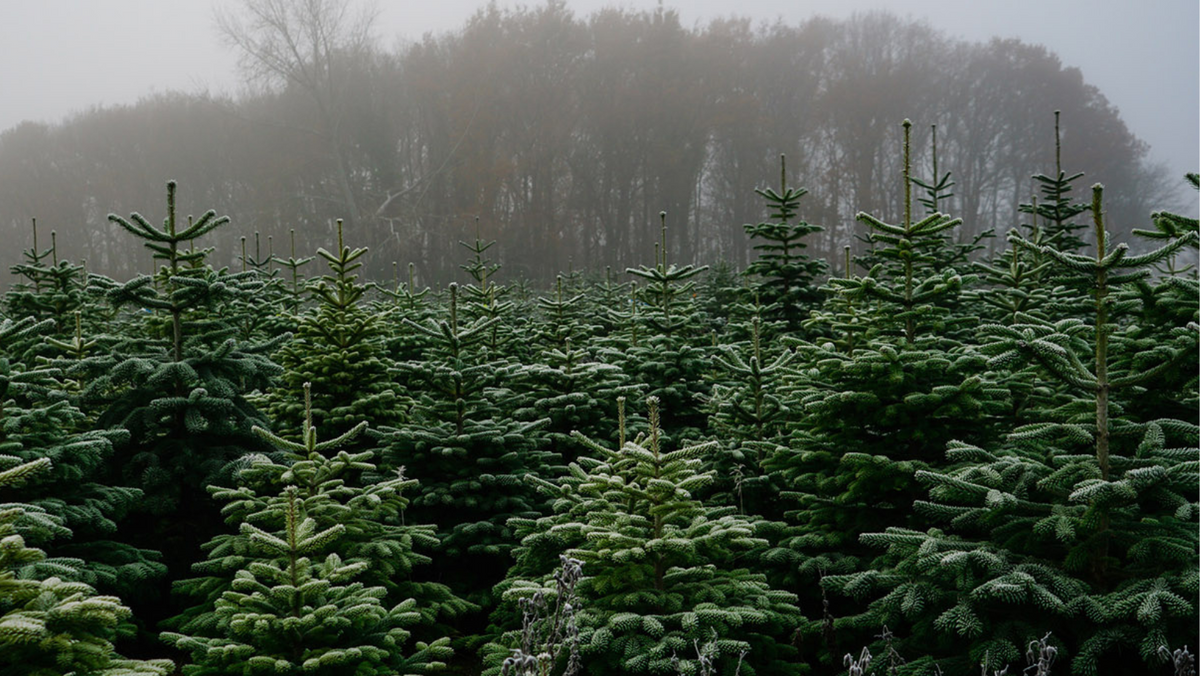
(562,134)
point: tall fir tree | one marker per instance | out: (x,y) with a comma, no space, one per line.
(175,380)
(869,420)
(1083,523)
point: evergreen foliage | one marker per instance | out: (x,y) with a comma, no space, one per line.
(297,607)
(1084,522)
(942,459)
(662,569)
(53,626)
(788,275)
(337,485)
(51,289)
(339,348)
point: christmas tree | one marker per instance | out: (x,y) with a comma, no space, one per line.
(661,568)
(52,625)
(1083,522)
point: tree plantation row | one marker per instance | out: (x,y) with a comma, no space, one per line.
(918,460)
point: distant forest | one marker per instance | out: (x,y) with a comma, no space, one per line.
(562,137)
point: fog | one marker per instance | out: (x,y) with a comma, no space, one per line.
(60,56)
(561,130)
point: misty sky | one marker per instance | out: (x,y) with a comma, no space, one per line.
(62,56)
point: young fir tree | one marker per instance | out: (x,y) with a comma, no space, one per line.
(662,569)
(666,346)
(955,253)
(1024,280)
(39,422)
(339,348)
(335,488)
(297,607)
(787,274)
(338,485)
(1056,209)
(575,392)
(749,411)
(845,321)
(407,302)
(176,381)
(915,291)
(266,314)
(1083,523)
(50,289)
(563,319)
(868,421)
(1017,282)
(462,437)
(52,625)
(485,299)
(608,304)
(295,284)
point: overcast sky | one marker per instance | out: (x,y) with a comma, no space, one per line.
(63,56)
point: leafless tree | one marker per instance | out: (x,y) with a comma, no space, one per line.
(310,45)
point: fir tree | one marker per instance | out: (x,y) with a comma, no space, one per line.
(176,380)
(906,280)
(39,421)
(296,607)
(337,484)
(295,287)
(750,413)
(53,626)
(180,394)
(661,568)
(473,452)
(1084,522)
(1056,207)
(870,419)
(339,348)
(50,288)
(665,348)
(787,273)
(265,315)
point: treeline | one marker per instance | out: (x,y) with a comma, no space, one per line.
(562,137)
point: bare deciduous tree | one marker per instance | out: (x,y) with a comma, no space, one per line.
(310,45)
